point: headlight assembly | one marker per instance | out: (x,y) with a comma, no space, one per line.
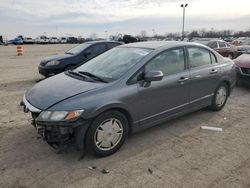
(52,63)
(59,115)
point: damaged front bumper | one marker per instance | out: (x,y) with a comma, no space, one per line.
(57,133)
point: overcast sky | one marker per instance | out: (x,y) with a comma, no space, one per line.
(82,17)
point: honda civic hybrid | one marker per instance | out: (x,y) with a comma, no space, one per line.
(126,89)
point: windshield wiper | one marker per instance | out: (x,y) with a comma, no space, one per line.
(93,76)
(76,74)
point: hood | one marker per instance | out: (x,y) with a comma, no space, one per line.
(243,61)
(56,57)
(57,88)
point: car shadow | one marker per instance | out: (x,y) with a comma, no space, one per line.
(162,133)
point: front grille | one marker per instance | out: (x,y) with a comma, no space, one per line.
(245,70)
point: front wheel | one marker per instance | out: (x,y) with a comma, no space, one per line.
(107,133)
(220,97)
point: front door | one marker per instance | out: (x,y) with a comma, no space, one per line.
(161,99)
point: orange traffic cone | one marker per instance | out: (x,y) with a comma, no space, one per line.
(19,50)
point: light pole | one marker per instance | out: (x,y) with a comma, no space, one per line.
(183,19)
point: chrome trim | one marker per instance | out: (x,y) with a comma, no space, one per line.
(201,98)
(29,107)
(162,112)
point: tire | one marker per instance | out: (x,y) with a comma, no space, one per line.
(220,97)
(107,133)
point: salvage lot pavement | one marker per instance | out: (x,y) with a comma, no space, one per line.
(174,154)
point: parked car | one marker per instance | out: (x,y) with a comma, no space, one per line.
(28,40)
(72,40)
(244,47)
(129,39)
(58,63)
(17,41)
(223,48)
(243,68)
(63,40)
(126,89)
(42,40)
(1,39)
(53,40)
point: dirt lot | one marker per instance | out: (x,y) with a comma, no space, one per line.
(174,154)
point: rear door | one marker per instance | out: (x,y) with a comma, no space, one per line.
(161,99)
(205,75)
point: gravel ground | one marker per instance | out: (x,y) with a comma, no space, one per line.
(174,154)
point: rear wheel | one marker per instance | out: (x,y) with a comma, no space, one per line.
(107,133)
(220,97)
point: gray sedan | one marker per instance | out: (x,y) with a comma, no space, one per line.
(126,89)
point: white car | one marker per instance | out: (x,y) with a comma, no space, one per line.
(42,40)
(63,40)
(28,40)
(53,40)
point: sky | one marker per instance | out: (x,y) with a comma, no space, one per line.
(109,17)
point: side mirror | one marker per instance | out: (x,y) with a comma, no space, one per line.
(153,76)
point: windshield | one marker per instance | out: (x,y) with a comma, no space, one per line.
(78,49)
(112,64)
(246,42)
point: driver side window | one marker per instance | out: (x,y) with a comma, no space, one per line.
(169,62)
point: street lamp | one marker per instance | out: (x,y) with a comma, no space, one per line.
(183,19)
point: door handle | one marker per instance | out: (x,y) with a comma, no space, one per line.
(183,79)
(213,71)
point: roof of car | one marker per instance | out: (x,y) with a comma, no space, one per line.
(101,41)
(158,44)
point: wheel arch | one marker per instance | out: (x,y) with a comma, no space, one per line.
(119,108)
(228,86)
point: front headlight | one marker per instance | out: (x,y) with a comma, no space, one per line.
(52,63)
(59,115)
